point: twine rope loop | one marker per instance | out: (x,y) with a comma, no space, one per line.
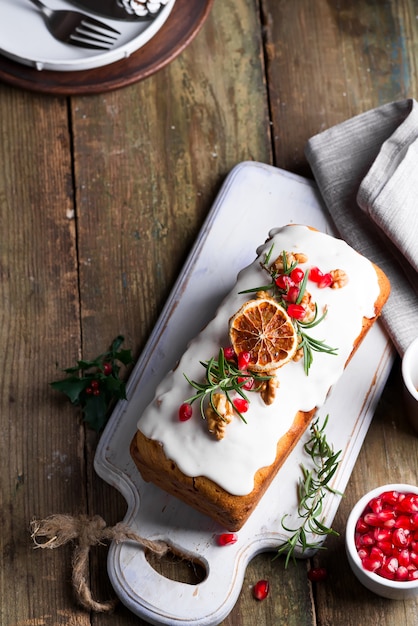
(57,530)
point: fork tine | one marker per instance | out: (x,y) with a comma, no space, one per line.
(79,37)
(88,31)
(90,21)
(87,43)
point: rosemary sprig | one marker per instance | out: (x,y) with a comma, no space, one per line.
(309,344)
(312,489)
(222,375)
(306,342)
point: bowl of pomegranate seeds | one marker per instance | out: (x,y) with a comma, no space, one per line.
(382,541)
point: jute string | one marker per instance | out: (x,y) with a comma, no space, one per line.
(58,530)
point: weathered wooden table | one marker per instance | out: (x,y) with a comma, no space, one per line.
(101,197)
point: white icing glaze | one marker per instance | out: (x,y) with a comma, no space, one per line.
(233,461)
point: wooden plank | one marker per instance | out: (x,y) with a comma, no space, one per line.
(149,161)
(41,443)
(327,62)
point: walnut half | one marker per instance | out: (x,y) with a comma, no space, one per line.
(339,279)
(268,390)
(218,420)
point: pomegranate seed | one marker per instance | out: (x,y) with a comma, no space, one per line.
(246,382)
(296,311)
(376,553)
(402,573)
(402,521)
(378,519)
(384,573)
(229,353)
(372,564)
(362,552)
(409,504)
(361,526)
(243,360)
(413,521)
(261,589)
(392,564)
(385,547)
(382,534)
(283,281)
(326,281)
(376,505)
(404,557)
(400,537)
(226,539)
(413,575)
(292,295)
(297,275)
(390,497)
(315,274)
(241,404)
(367,539)
(317,574)
(372,519)
(185,412)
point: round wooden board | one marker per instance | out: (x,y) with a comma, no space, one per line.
(181,27)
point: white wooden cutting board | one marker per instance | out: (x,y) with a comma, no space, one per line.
(254,199)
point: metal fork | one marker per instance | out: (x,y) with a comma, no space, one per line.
(77,28)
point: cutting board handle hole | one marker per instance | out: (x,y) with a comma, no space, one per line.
(178,567)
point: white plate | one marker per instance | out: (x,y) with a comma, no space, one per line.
(25,38)
(254,199)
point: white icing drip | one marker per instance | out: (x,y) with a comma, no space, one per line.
(233,461)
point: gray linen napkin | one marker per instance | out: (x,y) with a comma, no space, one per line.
(367,172)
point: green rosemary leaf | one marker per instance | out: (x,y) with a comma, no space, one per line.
(222,363)
(302,538)
(268,255)
(318,345)
(307,356)
(194,384)
(256,289)
(312,489)
(302,290)
(315,321)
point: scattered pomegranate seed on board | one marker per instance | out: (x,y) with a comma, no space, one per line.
(227,539)
(261,590)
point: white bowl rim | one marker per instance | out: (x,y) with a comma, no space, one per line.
(355,513)
(406,368)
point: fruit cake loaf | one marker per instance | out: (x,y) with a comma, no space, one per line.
(225,419)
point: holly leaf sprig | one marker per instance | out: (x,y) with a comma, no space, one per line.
(225,376)
(95,384)
(312,489)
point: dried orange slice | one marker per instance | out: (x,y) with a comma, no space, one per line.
(263,328)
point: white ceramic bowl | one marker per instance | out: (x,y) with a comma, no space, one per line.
(396,590)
